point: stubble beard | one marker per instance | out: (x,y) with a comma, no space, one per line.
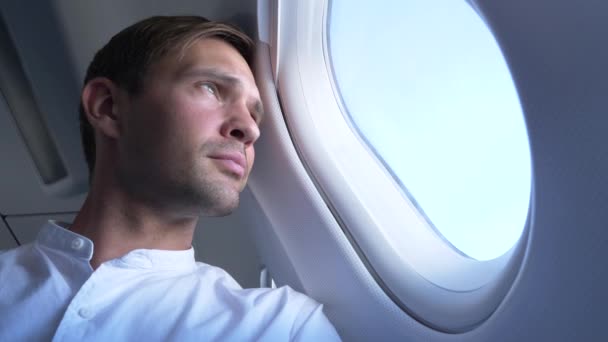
(196,188)
(211,195)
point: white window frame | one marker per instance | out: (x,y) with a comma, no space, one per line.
(418,270)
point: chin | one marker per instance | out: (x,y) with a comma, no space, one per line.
(223,206)
(218,212)
(215,196)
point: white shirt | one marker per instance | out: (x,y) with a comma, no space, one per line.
(48,291)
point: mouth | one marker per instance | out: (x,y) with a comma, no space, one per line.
(232,162)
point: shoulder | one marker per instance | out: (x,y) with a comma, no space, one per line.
(274,312)
(260,297)
(18,264)
(215,275)
(16,256)
(22,261)
(309,322)
(287,307)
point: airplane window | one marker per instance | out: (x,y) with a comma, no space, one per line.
(425,85)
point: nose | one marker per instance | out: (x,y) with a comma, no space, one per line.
(240,125)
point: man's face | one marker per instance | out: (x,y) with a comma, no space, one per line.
(187,137)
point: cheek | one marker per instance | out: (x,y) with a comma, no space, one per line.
(193,126)
(250,153)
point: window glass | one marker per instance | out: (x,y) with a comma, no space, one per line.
(426,86)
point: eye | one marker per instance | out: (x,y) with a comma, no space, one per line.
(255,118)
(210,87)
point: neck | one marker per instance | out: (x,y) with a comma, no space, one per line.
(117,224)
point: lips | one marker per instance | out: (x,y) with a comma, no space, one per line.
(233,162)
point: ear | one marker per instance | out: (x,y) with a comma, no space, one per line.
(100,103)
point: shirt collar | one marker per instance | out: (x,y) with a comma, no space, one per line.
(53,235)
(157,259)
(56,236)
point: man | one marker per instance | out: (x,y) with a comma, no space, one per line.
(169,116)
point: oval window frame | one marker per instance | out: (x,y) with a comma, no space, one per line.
(410,266)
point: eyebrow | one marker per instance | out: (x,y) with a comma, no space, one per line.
(258,107)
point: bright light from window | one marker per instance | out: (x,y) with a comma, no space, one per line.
(427,87)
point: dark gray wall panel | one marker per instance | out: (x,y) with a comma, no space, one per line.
(226,242)
(88,25)
(22,189)
(6,239)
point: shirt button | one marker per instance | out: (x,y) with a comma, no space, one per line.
(77,243)
(85,313)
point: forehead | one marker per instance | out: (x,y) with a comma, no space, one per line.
(206,53)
